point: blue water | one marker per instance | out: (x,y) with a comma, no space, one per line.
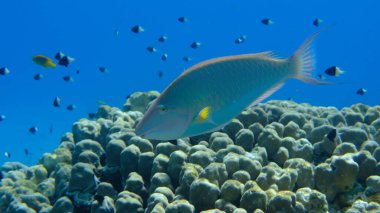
(85,30)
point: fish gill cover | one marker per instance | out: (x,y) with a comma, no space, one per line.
(69,149)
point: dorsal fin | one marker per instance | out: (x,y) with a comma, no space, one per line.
(269,55)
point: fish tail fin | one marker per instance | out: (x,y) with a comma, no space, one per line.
(303,62)
(49,64)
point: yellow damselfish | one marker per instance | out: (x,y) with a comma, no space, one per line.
(44,61)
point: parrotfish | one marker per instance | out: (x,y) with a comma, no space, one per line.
(208,95)
(44,61)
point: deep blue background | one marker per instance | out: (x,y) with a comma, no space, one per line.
(85,31)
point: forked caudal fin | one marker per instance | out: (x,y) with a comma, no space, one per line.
(303,61)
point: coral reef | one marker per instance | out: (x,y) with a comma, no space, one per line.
(275,156)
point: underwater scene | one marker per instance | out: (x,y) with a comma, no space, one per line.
(189,106)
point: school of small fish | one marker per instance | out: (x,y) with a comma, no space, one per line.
(259,75)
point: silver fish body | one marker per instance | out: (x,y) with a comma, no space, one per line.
(226,85)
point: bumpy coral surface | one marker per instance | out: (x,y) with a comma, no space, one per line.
(274,157)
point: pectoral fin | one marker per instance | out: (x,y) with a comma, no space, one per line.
(204,115)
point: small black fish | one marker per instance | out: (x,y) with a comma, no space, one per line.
(2,117)
(183,19)
(38,77)
(321,76)
(57,101)
(361,91)
(51,129)
(331,135)
(59,55)
(164,57)
(103,69)
(33,130)
(26,152)
(4,71)
(334,71)
(91,115)
(267,21)
(7,154)
(162,38)
(317,22)
(195,44)
(77,71)
(71,107)
(137,29)
(186,58)
(160,74)
(151,49)
(240,39)
(65,61)
(68,78)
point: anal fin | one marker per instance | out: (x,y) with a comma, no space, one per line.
(266,94)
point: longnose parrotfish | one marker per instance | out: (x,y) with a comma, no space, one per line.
(208,95)
(44,61)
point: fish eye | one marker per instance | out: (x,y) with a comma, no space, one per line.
(162,108)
